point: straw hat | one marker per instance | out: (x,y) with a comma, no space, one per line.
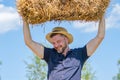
(60,30)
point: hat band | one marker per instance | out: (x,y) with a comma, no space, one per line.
(56,31)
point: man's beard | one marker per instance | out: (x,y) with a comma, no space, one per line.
(63,48)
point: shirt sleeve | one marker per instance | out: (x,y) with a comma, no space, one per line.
(46,54)
(83,55)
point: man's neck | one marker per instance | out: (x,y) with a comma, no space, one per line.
(65,51)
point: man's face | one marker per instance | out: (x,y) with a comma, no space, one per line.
(59,42)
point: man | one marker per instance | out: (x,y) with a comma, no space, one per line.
(63,63)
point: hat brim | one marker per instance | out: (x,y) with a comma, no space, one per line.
(68,35)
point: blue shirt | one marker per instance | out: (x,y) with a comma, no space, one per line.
(67,67)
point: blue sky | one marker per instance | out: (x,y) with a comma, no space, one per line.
(13,51)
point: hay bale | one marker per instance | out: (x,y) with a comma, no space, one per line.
(40,11)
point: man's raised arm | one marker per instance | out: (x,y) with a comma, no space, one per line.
(94,43)
(37,48)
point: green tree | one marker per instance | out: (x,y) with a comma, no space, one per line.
(117,77)
(36,70)
(88,73)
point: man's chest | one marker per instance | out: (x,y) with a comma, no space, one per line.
(63,68)
(60,62)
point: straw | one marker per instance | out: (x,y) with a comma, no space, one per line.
(40,11)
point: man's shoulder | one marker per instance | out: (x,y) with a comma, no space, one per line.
(47,49)
(77,49)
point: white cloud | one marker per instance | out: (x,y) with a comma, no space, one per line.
(86,26)
(9,19)
(112,21)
